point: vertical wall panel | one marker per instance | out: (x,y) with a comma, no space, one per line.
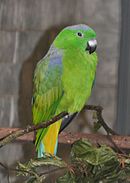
(123,105)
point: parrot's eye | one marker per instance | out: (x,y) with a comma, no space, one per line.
(80,34)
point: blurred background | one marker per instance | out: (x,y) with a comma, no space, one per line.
(27,28)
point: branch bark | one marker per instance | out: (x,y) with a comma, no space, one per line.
(100,119)
(13,134)
(122,142)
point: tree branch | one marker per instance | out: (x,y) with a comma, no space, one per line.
(122,142)
(20,132)
(99,110)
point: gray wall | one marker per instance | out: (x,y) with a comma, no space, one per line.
(123,104)
(26,29)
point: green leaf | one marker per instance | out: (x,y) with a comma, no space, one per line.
(84,150)
(46,160)
(32,179)
(67,178)
(35,170)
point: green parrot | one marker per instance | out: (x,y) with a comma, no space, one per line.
(63,80)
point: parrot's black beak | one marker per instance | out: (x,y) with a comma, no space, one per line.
(91,46)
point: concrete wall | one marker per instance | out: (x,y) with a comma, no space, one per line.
(25,30)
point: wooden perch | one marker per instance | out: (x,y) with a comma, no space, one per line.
(122,142)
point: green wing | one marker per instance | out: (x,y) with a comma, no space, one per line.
(48,91)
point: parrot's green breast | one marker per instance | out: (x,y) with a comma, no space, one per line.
(78,75)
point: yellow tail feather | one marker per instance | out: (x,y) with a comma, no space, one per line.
(50,139)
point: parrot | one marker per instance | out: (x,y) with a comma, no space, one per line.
(62,82)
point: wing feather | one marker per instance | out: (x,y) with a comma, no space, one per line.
(48,91)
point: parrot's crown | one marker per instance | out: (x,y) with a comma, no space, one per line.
(78,27)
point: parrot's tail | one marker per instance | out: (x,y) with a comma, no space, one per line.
(49,141)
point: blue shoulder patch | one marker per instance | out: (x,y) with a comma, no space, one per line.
(55,61)
(55,57)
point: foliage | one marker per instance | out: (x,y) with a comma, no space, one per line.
(89,164)
(34,168)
